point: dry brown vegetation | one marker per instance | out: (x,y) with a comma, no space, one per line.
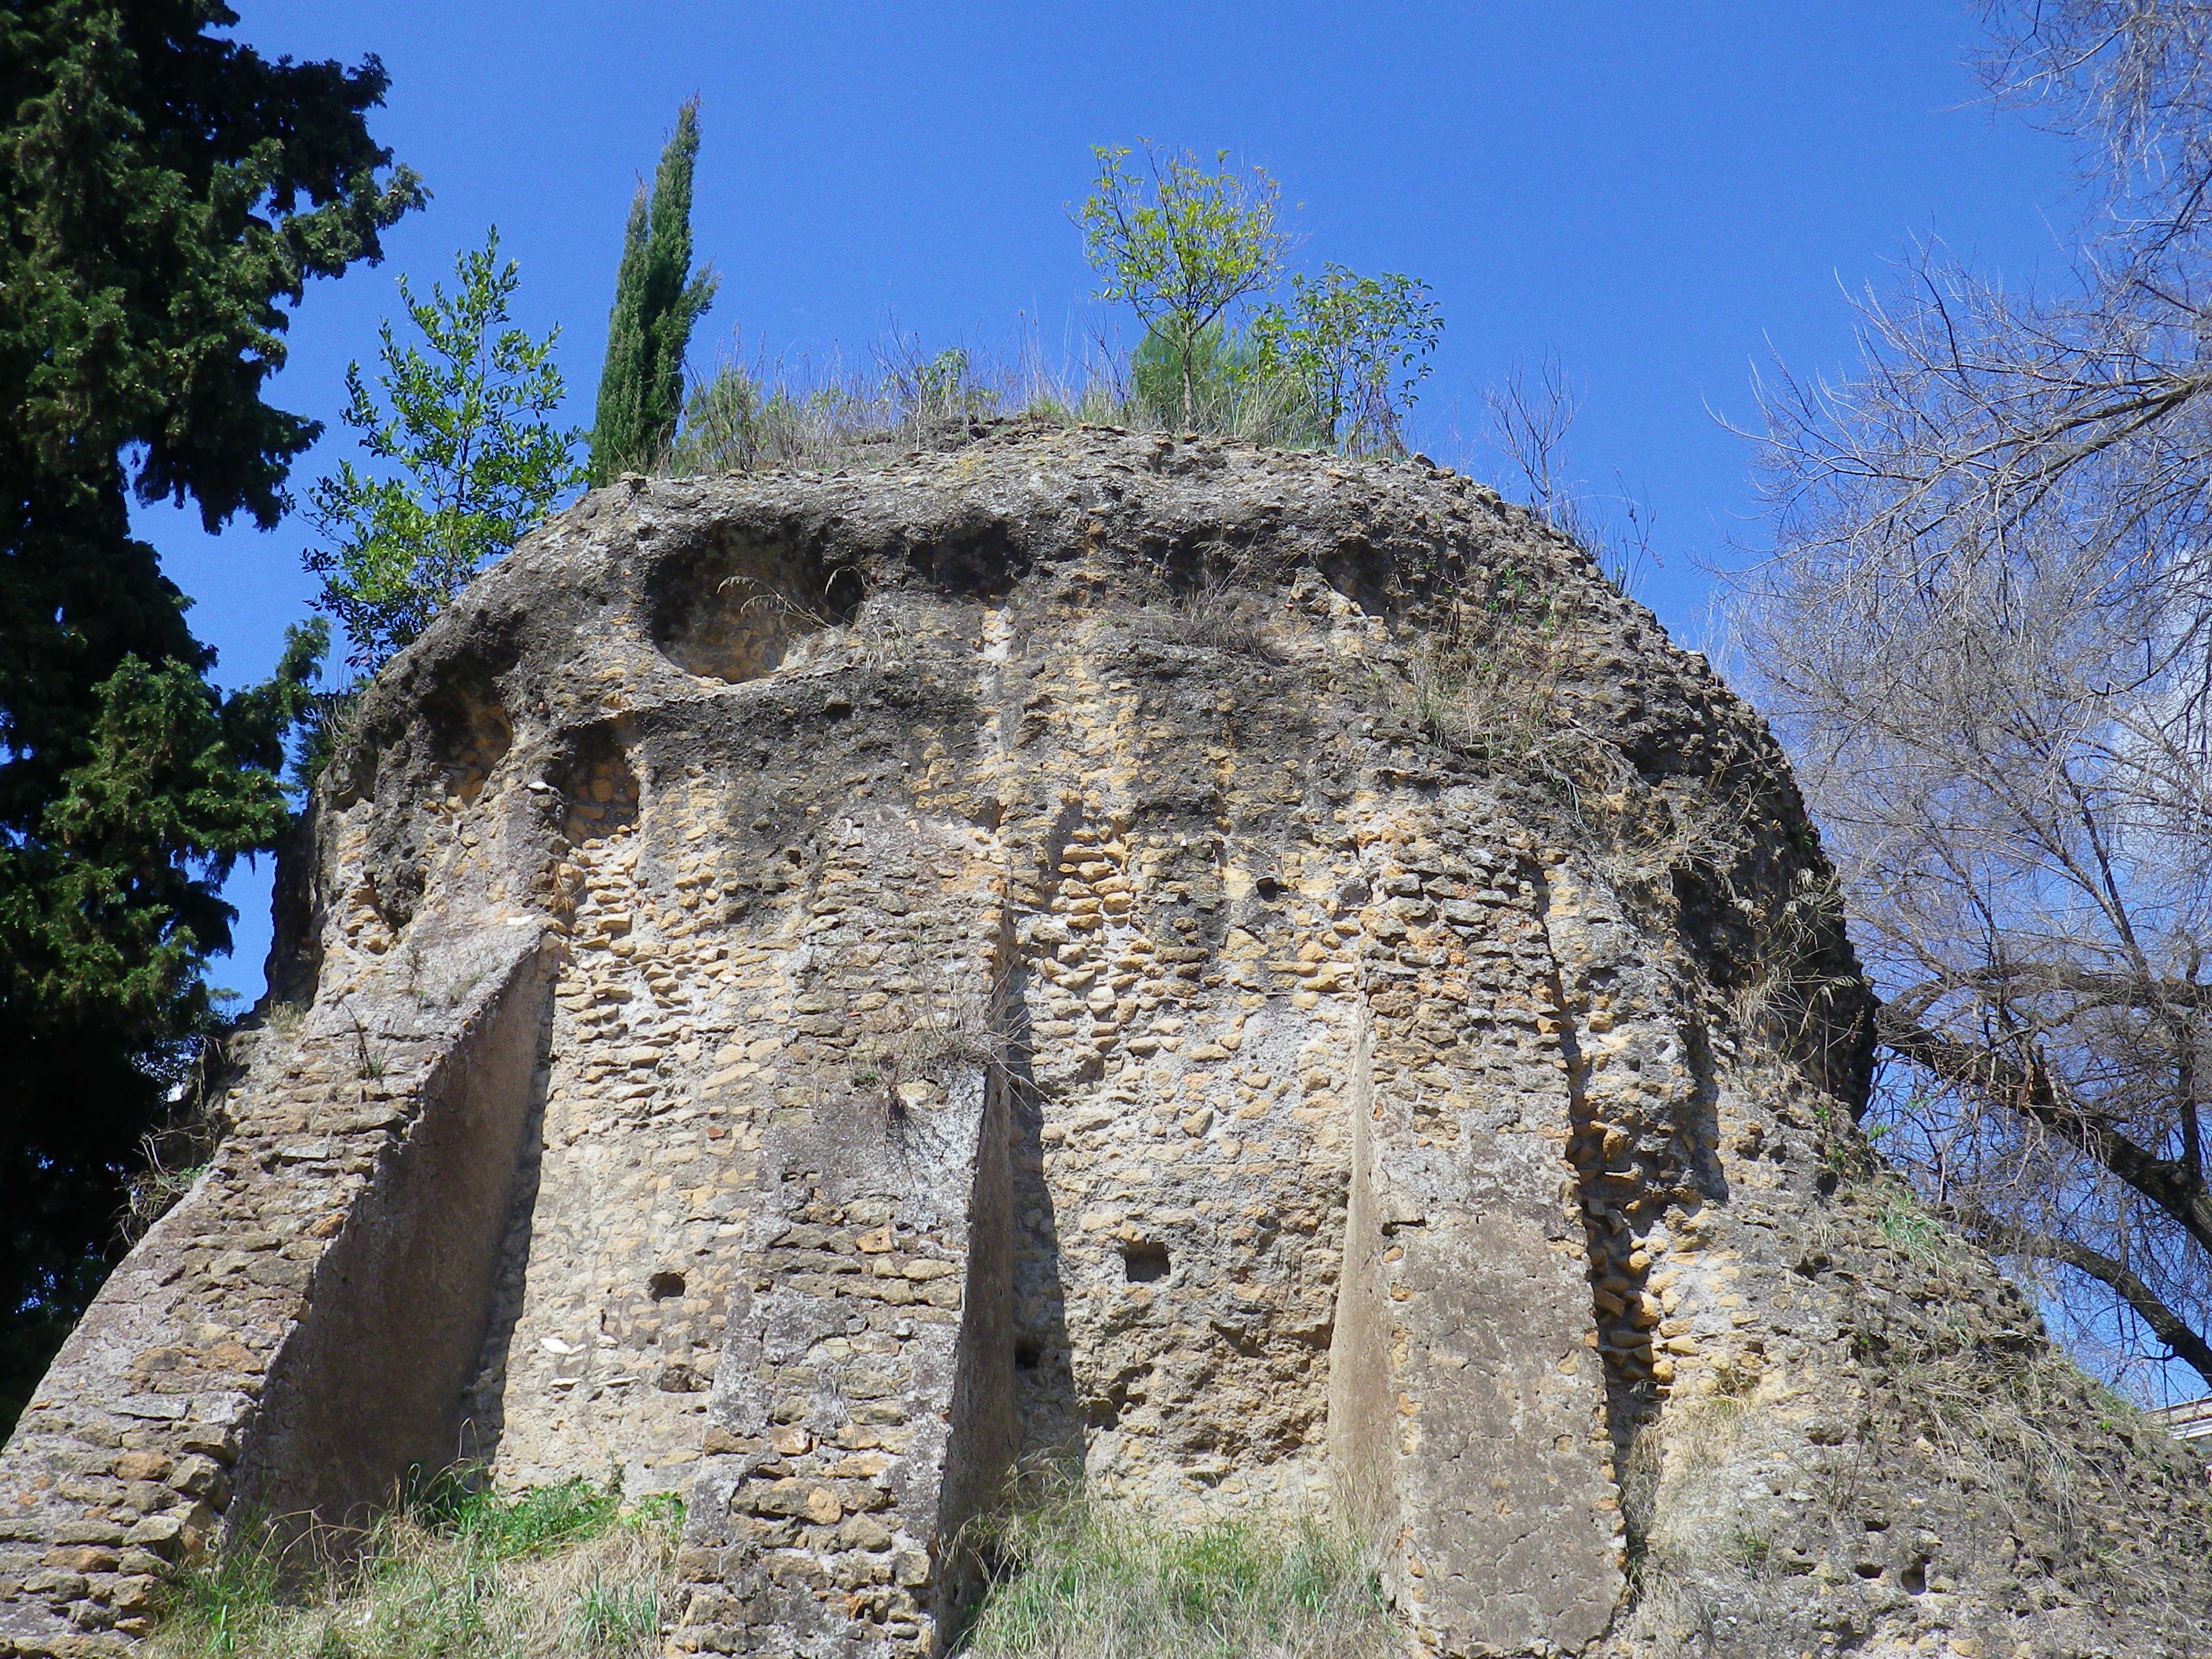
(766,416)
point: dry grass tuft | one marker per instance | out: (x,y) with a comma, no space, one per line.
(772,417)
(1078,1578)
(565,1572)
(1214,616)
(1488,681)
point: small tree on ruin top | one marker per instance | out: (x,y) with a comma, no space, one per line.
(1182,245)
(1353,347)
(469,460)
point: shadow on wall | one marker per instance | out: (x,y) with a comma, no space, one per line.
(370,1385)
(735,612)
(1013,1410)
(484,1411)
(1050,1426)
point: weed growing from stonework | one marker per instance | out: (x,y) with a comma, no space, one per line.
(368,1065)
(1079,1579)
(1751,1550)
(1217,613)
(1488,680)
(561,1572)
(1911,1229)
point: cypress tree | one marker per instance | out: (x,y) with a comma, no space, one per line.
(657,300)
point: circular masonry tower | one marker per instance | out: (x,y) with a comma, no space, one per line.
(1256,982)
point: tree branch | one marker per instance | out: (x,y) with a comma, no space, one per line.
(2003,1238)
(2109,990)
(2030,1091)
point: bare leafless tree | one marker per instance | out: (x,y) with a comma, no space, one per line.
(1528,418)
(1528,414)
(1986,633)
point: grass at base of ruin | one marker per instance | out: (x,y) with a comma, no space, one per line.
(563,1572)
(1083,1579)
(572,1572)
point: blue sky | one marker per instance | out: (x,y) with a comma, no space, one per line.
(1663,196)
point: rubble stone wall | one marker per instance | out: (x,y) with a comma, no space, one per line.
(1259,982)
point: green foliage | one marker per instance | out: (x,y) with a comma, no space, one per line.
(745,418)
(1180,243)
(166,193)
(1488,685)
(1354,346)
(1908,1227)
(530,1522)
(657,300)
(109,936)
(1202,394)
(1084,1580)
(942,390)
(1234,392)
(165,188)
(723,425)
(216,1611)
(615,1617)
(566,1571)
(1750,1549)
(478,462)
(1183,245)
(735,423)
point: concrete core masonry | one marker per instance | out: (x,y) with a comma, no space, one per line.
(1257,980)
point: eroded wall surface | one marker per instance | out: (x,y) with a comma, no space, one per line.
(835,997)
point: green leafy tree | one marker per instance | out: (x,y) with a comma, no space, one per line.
(469,460)
(167,192)
(1353,346)
(657,300)
(1181,245)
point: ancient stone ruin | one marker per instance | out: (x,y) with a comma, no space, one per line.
(1257,978)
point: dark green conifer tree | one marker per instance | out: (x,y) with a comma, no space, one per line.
(165,188)
(657,300)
